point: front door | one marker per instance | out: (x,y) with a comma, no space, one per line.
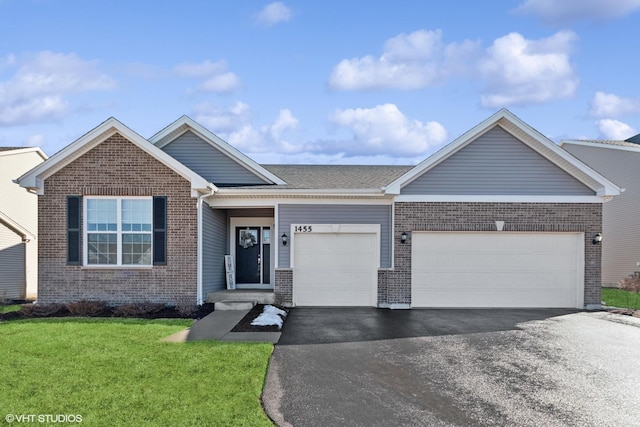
(248,255)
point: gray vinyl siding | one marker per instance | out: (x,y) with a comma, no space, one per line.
(620,231)
(12,265)
(336,214)
(209,162)
(214,248)
(496,163)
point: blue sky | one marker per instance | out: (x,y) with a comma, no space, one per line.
(349,82)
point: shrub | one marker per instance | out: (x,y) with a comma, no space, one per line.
(185,306)
(86,308)
(43,310)
(138,309)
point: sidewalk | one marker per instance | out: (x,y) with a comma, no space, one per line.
(218,326)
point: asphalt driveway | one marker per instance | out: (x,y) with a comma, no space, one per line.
(366,367)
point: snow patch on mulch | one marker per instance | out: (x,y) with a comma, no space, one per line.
(270,316)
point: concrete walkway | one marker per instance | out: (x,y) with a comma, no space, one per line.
(218,326)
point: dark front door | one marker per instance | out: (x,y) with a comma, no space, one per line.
(248,255)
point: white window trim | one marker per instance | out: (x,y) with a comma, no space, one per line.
(118,232)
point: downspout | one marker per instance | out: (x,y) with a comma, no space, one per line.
(212,188)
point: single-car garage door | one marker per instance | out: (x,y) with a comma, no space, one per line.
(335,265)
(497,269)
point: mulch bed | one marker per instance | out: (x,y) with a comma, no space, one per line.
(165,313)
(627,312)
(245,324)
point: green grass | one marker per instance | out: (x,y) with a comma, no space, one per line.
(117,373)
(619,298)
(8,308)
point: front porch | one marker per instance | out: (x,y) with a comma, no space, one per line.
(260,296)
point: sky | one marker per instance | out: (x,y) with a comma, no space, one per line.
(331,82)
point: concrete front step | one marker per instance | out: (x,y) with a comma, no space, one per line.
(228,305)
(260,296)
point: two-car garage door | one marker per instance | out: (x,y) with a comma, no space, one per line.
(497,269)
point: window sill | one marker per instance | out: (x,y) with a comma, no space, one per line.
(116,267)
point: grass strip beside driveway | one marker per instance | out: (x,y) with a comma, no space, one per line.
(116,372)
(620,298)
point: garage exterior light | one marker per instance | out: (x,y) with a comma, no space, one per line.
(285,239)
(597,238)
(403,237)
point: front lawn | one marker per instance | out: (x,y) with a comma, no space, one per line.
(116,372)
(618,298)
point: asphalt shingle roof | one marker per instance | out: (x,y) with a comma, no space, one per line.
(335,176)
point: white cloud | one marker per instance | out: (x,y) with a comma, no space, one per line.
(520,71)
(409,61)
(234,125)
(214,75)
(382,130)
(274,13)
(614,129)
(200,70)
(610,105)
(569,11)
(42,85)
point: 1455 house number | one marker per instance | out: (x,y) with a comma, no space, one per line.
(303,228)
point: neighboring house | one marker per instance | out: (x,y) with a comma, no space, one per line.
(18,225)
(500,217)
(620,162)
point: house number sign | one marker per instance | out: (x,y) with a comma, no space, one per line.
(303,228)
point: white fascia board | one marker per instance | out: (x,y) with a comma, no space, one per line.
(25,150)
(34,179)
(16,228)
(281,192)
(185,123)
(241,203)
(498,199)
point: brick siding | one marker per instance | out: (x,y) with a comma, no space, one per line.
(116,167)
(394,285)
(283,287)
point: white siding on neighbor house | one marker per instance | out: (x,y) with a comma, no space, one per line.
(335,214)
(12,262)
(22,207)
(496,163)
(209,162)
(621,230)
(214,248)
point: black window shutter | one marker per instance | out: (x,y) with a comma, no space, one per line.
(160,230)
(74,215)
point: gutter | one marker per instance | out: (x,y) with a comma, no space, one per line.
(212,190)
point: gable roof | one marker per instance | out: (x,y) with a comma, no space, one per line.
(185,123)
(527,135)
(34,179)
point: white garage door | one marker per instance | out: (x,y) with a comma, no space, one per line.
(336,268)
(497,269)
